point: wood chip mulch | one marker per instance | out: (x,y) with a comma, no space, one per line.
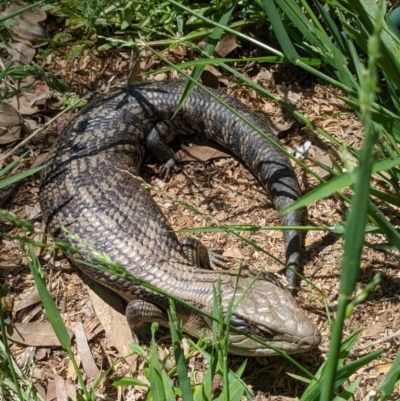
(223,189)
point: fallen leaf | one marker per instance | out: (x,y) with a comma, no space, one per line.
(9,116)
(210,80)
(375,330)
(382,368)
(226,45)
(27,29)
(20,53)
(138,65)
(11,135)
(51,391)
(31,298)
(28,102)
(233,253)
(88,362)
(323,158)
(36,334)
(108,307)
(199,153)
(65,391)
(180,50)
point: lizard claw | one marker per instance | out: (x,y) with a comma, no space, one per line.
(216,259)
(168,168)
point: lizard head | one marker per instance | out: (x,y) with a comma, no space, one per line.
(271,314)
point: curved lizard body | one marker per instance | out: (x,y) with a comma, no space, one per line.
(90,188)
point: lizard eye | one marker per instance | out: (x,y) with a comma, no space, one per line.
(239,323)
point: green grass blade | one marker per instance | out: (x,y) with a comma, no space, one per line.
(354,235)
(176,337)
(394,200)
(336,184)
(53,313)
(6,169)
(156,377)
(283,38)
(17,387)
(20,176)
(392,378)
(349,391)
(51,309)
(207,52)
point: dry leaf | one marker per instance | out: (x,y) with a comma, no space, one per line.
(108,307)
(12,135)
(199,153)
(88,362)
(375,330)
(27,29)
(51,394)
(10,124)
(382,368)
(31,298)
(226,45)
(29,102)
(65,391)
(180,51)
(36,334)
(210,80)
(9,116)
(233,253)
(323,158)
(138,66)
(20,53)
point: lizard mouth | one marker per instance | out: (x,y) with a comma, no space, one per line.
(241,345)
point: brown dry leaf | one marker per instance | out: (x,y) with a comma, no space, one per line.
(27,29)
(40,389)
(138,66)
(9,116)
(226,45)
(375,330)
(36,334)
(180,50)
(382,368)
(11,135)
(289,96)
(324,158)
(20,53)
(209,79)
(108,309)
(88,362)
(10,124)
(65,391)
(23,104)
(199,153)
(31,298)
(51,393)
(29,102)
(233,253)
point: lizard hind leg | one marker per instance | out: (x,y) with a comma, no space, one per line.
(199,255)
(140,314)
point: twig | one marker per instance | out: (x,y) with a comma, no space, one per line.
(372,344)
